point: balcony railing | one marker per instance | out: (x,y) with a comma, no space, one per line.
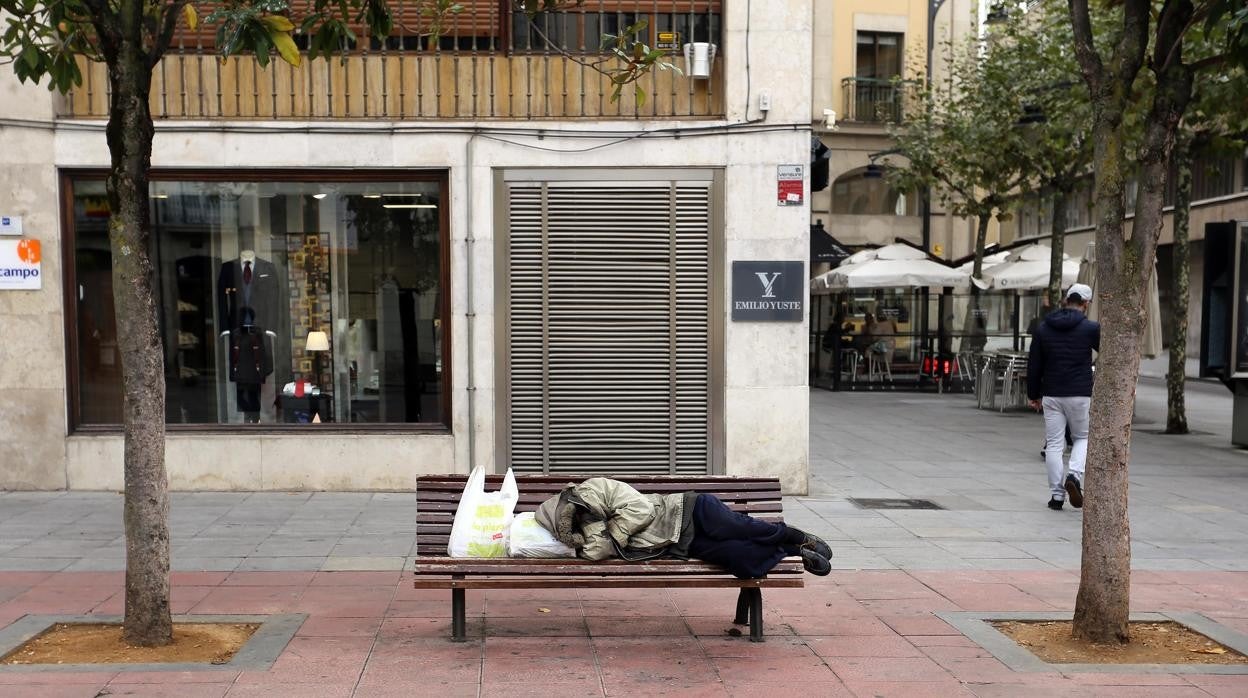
(872,100)
(489,64)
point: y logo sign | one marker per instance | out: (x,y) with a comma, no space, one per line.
(768,283)
(767,291)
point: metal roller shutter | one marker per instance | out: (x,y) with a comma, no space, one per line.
(608,315)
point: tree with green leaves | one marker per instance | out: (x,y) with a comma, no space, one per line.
(1216,123)
(1036,48)
(1156,34)
(963,141)
(41,40)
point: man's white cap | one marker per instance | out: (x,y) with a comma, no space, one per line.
(1082,290)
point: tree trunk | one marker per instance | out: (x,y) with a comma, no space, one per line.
(1176,376)
(981,240)
(130,132)
(1102,606)
(1124,266)
(1057,243)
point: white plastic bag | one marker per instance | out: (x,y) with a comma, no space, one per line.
(483,518)
(529,538)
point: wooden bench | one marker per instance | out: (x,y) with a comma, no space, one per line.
(437,497)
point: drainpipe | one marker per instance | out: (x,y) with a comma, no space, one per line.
(470,314)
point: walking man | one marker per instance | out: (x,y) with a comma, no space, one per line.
(1059,381)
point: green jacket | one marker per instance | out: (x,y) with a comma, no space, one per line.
(605,518)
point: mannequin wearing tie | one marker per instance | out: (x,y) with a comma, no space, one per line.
(249,282)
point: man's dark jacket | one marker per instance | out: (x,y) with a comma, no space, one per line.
(1060,363)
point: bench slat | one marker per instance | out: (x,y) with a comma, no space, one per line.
(557,566)
(719,582)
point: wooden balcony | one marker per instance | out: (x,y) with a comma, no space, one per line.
(489,71)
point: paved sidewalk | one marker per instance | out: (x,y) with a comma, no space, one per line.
(869,629)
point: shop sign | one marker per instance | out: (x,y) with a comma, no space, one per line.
(768,291)
(10,225)
(20,266)
(667,41)
(790,180)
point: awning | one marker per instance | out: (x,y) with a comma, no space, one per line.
(825,249)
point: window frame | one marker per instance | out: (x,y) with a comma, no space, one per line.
(875,53)
(66,178)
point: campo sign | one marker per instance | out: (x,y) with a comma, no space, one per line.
(20,265)
(768,291)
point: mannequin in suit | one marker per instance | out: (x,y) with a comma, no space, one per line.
(252,282)
(251,362)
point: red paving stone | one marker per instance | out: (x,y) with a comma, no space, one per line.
(861,634)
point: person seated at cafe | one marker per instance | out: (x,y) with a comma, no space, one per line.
(883,332)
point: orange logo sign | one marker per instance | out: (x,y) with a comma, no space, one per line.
(28,251)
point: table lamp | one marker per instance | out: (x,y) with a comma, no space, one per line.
(317,342)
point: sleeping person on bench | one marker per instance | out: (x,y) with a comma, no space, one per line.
(603,518)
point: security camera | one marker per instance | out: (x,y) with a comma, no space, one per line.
(829,119)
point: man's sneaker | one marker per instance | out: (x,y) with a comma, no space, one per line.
(1055,504)
(1074,491)
(815,563)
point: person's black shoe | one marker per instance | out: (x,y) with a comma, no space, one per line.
(1055,504)
(1074,491)
(815,563)
(802,539)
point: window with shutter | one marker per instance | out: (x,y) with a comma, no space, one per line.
(606,290)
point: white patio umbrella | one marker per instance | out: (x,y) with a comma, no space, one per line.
(1151,346)
(1028,268)
(888,273)
(894,251)
(990,260)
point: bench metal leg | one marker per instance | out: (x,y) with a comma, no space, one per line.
(743,607)
(756,615)
(750,610)
(457,616)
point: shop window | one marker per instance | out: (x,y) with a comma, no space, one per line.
(858,194)
(279,302)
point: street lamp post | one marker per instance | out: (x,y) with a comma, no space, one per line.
(933,6)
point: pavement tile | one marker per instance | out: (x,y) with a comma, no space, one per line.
(1221,686)
(270,578)
(1089,679)
(316,626)
(541,647)
(644,627)
(502,669)
(400,627)
(772,669)
(866,646)
(46,678)
(149,690)
(891,669)
(292,688)
(258,600)
(545,626)
(416,687)
(909,689)
(137,677)
(355,579)
(432,670)
(47,691)
(780,689)
(861,625)
(352,602)
(655,672)
(780,647)
(919,625)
